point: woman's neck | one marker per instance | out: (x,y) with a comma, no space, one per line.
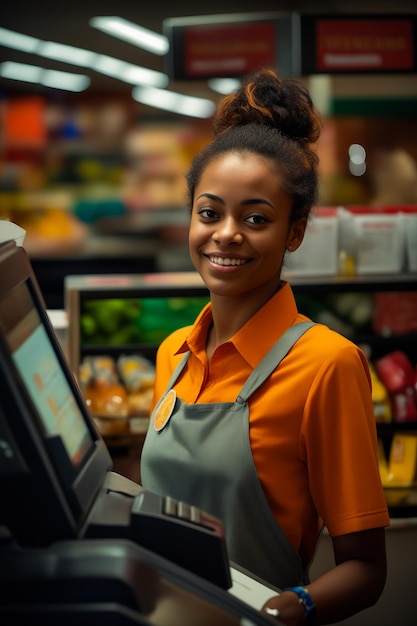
(230,314)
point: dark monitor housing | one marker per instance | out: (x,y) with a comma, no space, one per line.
(53,460)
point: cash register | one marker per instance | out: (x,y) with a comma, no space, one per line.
(79,542)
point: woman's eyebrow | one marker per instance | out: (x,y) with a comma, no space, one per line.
(250,201)
(247,202)
(211,196)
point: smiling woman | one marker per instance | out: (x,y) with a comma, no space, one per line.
(242,230)
(263,427)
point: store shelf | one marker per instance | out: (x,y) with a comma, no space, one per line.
(316,292)
(396,427)
(338,284)
(79,289)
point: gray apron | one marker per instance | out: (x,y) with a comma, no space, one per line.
(202,456)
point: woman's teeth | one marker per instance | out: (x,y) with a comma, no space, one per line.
(222,261)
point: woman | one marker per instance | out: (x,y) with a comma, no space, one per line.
(293,448)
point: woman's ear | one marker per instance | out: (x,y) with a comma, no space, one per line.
(296,234)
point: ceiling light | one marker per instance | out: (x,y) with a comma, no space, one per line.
(17,41)
(20,71)
(224,85)
(132,33)
(39,75)
(65,80)
(128,72)
(67,54)
(174,102)
(110,66)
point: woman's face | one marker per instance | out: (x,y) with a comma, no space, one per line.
(240,225)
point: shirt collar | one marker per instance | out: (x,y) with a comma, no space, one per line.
(276,316)
(196,339)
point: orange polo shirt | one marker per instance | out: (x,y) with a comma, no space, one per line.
(312,427)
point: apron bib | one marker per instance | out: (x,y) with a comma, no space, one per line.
(201,455)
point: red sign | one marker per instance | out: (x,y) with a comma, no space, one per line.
(364,45)
(229,50)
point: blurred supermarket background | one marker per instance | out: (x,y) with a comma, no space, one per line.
(92,161)
(92,173)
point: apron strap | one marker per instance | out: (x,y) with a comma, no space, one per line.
(177,371)
(272,359)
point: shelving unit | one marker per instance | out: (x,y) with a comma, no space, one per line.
(189,284)
(79,289)
(369,282)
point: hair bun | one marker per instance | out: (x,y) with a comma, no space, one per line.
(265,98)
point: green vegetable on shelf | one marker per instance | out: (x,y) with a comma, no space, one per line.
(161,316)
(109,321)
(119,321)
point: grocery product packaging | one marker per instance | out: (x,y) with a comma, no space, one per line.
(318,253)
(394,312)
(403,459)
(409,218)
(379,240)
(397,374)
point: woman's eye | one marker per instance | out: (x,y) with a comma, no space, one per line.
(256,219)
(207,213)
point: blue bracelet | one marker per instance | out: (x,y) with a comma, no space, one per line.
(306,600)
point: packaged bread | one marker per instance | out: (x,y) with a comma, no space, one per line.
(140,402)
(107,399)
(136,372)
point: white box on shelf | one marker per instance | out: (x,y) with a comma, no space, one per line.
(410,229)
(379,236)
(318,253)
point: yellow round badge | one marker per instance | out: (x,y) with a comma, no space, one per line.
(164,410)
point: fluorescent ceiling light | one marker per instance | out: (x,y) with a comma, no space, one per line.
(128,72)
(65,80)
(132,33)
(17,41)
(174,102)
(20,71)
(67,54)
(39,75)
(224,85)
(110,66)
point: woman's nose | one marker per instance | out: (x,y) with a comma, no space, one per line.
(228,231)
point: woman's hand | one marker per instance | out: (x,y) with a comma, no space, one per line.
(354,584)
(289,610)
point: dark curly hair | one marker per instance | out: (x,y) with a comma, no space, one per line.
(276,119)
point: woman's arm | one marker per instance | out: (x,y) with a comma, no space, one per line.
(354,584)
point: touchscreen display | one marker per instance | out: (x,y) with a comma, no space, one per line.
(41,372)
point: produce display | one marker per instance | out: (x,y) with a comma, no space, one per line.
(115,377)
(121,321)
